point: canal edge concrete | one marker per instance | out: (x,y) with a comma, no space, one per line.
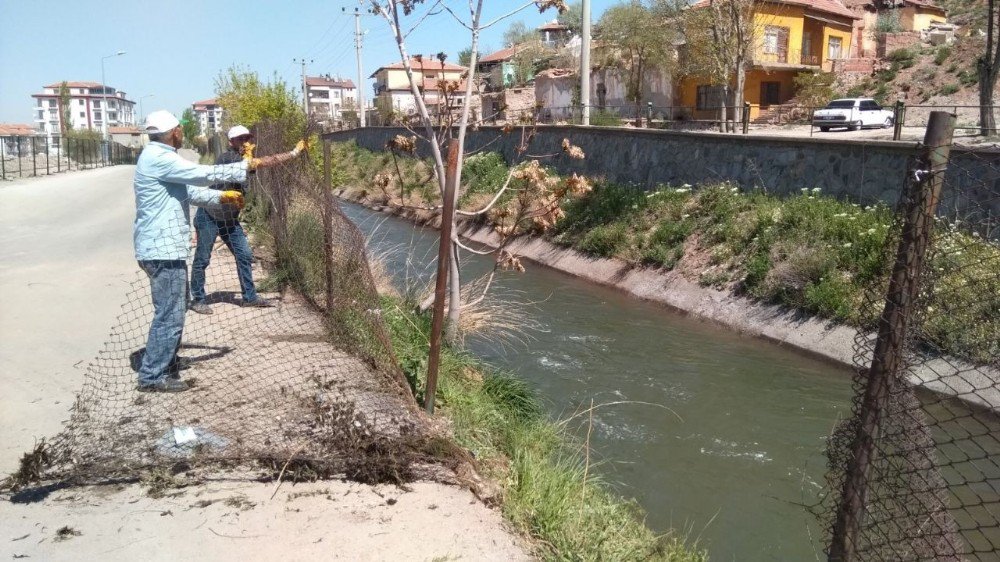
(975,385)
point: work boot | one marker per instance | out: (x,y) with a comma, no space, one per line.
(258,303)
(164,385)
(201,308)
(176,366)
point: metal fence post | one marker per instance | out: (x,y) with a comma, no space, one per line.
(746,118)
(3,159)
(59,155)
(897,120)
(17,144)
(34,158)
(48,150)
(923,191)
(440,284)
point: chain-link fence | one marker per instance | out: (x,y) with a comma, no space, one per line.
(915,471)
(37,155)
(283,349)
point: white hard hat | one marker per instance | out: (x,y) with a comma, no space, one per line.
(160,122)
(238,131)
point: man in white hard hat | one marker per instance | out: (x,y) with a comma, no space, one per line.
(165,184)
(212,223)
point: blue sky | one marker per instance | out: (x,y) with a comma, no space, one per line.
(176,48)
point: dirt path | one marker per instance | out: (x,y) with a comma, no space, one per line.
(66,245)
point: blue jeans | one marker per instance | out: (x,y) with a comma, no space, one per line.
(168,284)
(232,234)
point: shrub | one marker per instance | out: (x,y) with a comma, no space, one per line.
(814,89)
(949,89)
(942,55)
(604,240)
(888,22)
(604,118)
(968,78)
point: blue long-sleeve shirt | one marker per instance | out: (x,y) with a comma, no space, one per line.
(165,184)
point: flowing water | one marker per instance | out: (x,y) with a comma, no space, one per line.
(717,435)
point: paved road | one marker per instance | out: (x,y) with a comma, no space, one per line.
(66,250)
(67,261)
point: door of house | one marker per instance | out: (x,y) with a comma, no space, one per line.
(770,93)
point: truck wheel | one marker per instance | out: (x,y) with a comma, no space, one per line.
(824,129)
(888,123)
(854,126)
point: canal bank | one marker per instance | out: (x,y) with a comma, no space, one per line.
(714,433)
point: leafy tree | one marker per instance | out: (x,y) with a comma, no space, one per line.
(65,109)
(246,99)
(190,126)
(637,41)
(572,17)
(465,56)
(517,33)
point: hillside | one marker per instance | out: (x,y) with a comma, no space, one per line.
(932,75)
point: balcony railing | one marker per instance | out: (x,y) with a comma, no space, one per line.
(792,57)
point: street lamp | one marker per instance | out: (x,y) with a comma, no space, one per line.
(104,88)
(142,114)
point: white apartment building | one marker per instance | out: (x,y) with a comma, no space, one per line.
(91,106)
(330,97)
(209,115)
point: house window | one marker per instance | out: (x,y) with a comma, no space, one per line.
(834,50)
(709,97)
(776,42)
(79,102)
(52,103)
(83,114)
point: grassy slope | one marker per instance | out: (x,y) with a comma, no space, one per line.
(547,491)
(809,252)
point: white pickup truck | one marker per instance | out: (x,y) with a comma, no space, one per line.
(853,114)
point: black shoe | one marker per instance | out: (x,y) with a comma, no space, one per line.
(258,303)
(176,366)
(201,308)
(164,385)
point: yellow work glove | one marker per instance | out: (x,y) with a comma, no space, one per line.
(300,147)
(232,198)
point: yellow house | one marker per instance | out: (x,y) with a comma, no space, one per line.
(392,86)
(792,36)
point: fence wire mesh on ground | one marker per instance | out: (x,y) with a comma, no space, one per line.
(915,471)
(309,386)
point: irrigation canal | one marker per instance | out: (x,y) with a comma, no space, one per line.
(740,450)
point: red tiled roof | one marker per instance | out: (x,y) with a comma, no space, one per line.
(75,85)
(427,64)
(204,103)
(553,25)
(323,81)
(17,129)
(835,7)
(501,55)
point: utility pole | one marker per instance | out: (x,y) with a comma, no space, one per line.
(357,51)
(585,63)
(305,90)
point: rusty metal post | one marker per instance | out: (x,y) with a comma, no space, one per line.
(440,285)
(923,191)
(34,158)
(746,117)
(897,120)
(327,196)
(17,145)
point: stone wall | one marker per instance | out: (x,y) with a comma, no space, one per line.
(889,42)
(854,170)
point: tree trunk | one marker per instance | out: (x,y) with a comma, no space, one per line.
(451,331)
(741,79)
(987,81)
(722,109)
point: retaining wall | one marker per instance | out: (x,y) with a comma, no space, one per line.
(854,170)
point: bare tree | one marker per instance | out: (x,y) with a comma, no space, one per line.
(989,69)
(398,13)
(722,37)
